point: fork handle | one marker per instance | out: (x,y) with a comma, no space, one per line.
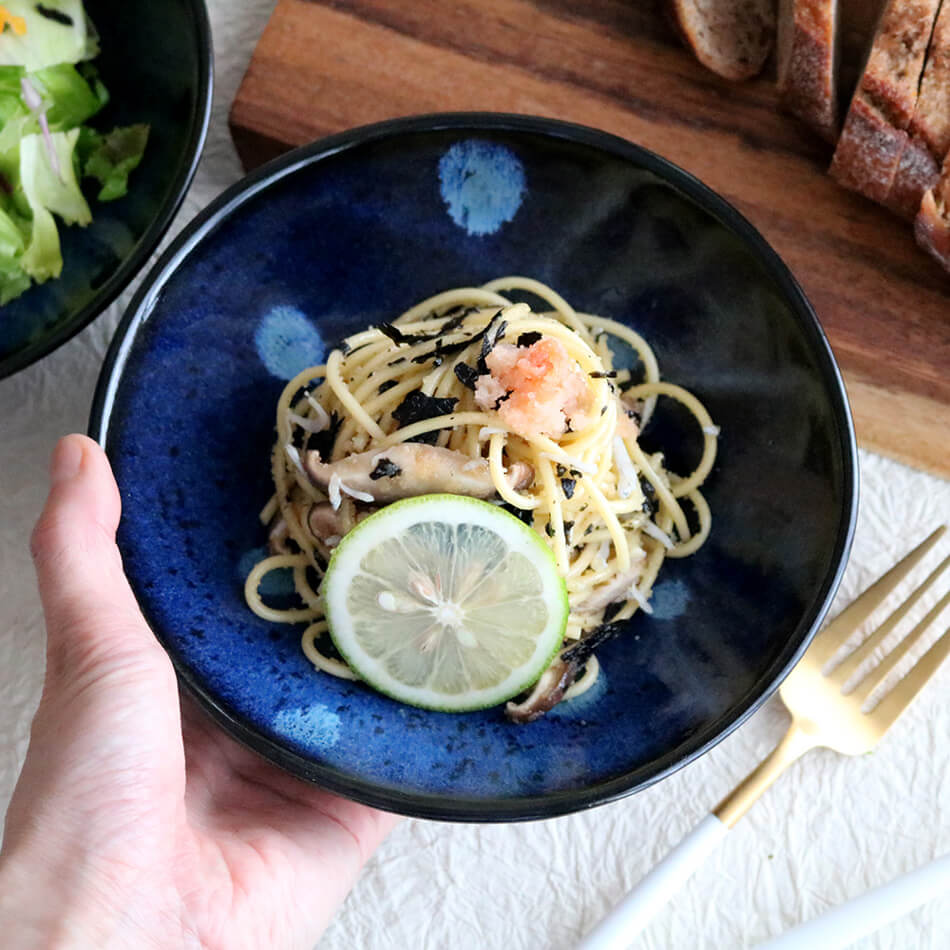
(617,930)
(795,744)
(636,910)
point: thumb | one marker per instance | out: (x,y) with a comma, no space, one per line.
(95,630)
(107,735)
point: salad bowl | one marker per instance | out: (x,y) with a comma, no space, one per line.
(151,65)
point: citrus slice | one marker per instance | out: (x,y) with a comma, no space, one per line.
(445,602)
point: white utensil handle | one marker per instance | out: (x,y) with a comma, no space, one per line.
(632,914)
(843,925)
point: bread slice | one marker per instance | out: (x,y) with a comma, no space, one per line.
(932,226)
(733,38)
(807,49)
(917,171)
(929,128)
(874,134)
(931,119)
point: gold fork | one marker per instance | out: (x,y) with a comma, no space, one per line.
(828,709)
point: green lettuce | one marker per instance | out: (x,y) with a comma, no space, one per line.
(48,92)
(57,31)
(112,157)
(70,99)
(14,279)
(50,191)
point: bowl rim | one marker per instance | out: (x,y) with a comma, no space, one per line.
(546,805)
(128,269)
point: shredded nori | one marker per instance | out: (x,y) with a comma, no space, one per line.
(567,486)
(650,502)
(385,468)
(418,406)
(525,515)
(57,16)
(581,652)
(597,374)
(561,470)
(466,375)
(453,323)
(529,338)
(396,335)
(549,530)
(385,387)
(490,337)
(397,361)
(323,442)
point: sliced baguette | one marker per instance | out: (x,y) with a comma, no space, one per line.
(874,135)
(733,38)
(807,47)
(917,171)
(929,128)
(932,226)
(931,119)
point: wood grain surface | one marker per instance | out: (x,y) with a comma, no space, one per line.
(324,66)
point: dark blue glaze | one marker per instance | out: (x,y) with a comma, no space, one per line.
(156,64)
(352,231)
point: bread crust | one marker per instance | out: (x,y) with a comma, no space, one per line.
(874,136)
(917,171)
(734,69)
(932,225)
(931,119)
(929,128)
(891,79)
(807,80)
(868,152)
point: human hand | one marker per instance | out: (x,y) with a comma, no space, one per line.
(135,822)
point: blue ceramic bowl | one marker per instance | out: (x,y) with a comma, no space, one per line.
(350,231)
(165,82)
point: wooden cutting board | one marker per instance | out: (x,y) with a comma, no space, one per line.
(323,66)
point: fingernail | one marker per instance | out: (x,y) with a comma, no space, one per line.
(67,460)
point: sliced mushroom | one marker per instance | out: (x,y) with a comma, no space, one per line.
(410,469)
(546,693)
(325,523)
(560,675)
(613,590)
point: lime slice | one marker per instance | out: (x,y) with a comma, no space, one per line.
(445,602)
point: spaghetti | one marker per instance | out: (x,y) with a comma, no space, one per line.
(471,392)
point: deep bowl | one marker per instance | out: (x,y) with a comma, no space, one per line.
(156,62)
(348,232)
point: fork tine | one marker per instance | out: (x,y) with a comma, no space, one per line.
(876,676)
(823,647)
(845,670)
(897,700)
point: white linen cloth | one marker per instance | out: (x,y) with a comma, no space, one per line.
(829,830)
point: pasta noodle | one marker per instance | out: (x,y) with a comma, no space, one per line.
(610,512)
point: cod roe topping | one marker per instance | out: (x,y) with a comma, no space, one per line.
(537,389)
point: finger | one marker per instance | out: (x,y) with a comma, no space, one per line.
(224,778)
(91,614)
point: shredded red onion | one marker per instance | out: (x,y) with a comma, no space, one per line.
(34,102)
